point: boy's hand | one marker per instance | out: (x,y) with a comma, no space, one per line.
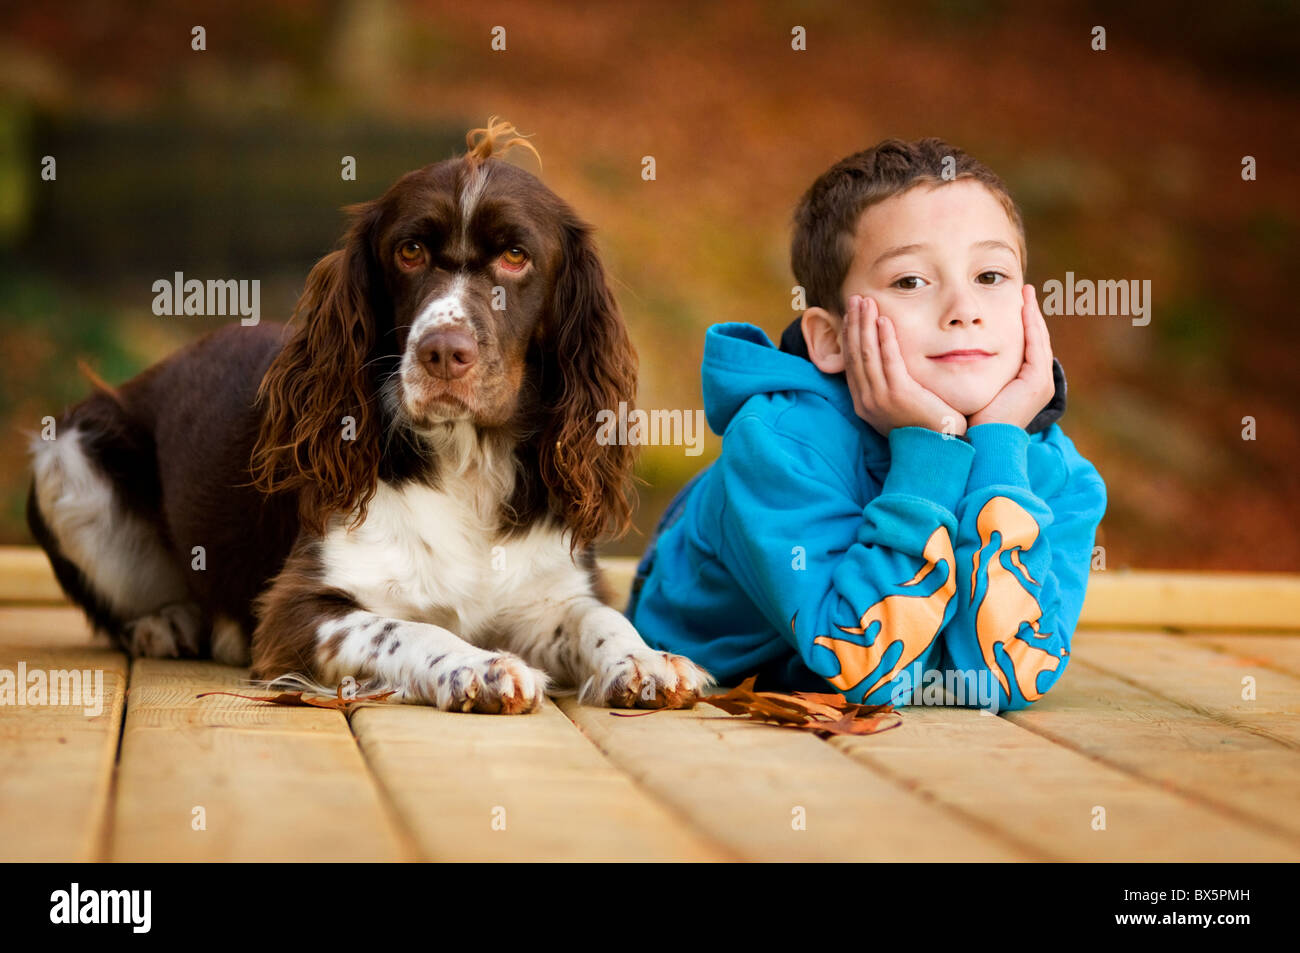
(1029,391)
(885,395)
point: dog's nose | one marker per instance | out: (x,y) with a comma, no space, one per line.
(447,354)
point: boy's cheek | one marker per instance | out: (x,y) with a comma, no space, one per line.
(1011,328)
(1011,365)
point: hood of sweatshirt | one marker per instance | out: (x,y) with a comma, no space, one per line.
(741,361)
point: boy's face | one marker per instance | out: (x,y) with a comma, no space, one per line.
(942,264)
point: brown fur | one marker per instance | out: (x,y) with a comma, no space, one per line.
(294,608)
(597,367)
(317,380)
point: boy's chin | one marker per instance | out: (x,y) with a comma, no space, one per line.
(967,403)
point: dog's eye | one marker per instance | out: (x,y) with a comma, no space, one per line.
(410,253)
(514,258)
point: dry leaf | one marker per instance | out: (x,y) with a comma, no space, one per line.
(850,725)
(301,699)
(834,699)
(824,713)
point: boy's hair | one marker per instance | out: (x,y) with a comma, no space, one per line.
(826,218)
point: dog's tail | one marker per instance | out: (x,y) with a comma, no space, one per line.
(98,383)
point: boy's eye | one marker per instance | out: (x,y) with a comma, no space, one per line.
(905,287)
(995,275)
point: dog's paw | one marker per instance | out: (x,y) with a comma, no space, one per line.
(171,632)
(646,680)
(229,643)
(491,684)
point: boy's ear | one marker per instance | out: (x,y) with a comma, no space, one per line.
(821,333)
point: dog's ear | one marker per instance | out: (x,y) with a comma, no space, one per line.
(319,431)
(589,367)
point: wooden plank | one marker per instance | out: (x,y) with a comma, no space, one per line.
(525,787)
(26,576)
(275,783)
(49,627)
(56,761)
(1279,651)
(1240,774)
(1044,797)
(1199,678)
(747,784)
(1131,598)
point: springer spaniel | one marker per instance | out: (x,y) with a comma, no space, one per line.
(402,485)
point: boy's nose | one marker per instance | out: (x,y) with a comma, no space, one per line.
(964,310)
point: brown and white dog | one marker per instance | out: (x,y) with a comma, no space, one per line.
(403,485)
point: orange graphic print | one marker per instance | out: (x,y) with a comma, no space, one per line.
(913,620)
(1007,604)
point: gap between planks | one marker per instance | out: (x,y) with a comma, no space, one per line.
(515,787)
(1206,680)
(56,762)
(1164,711)
(1173,746)
(1044,790)
(750,785)
(275,783)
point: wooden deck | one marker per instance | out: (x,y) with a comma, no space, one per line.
(1148,749)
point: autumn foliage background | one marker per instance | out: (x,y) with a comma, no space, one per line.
(1126,164)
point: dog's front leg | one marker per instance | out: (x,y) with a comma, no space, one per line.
(426,664)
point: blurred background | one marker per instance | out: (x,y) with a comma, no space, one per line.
(1126,163)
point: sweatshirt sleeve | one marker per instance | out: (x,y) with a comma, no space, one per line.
(860,592)
(1022,569)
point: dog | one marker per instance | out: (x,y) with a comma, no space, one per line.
(403,484)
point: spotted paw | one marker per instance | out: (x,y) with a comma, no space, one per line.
(491,684)
(646,680)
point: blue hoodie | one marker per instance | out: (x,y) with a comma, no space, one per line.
(818,553)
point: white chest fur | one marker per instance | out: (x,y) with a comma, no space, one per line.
(434,555)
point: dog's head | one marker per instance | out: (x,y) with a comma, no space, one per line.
(468,292)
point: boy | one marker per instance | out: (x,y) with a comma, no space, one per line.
(894,511)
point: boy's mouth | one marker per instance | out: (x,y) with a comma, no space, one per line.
(961,356)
